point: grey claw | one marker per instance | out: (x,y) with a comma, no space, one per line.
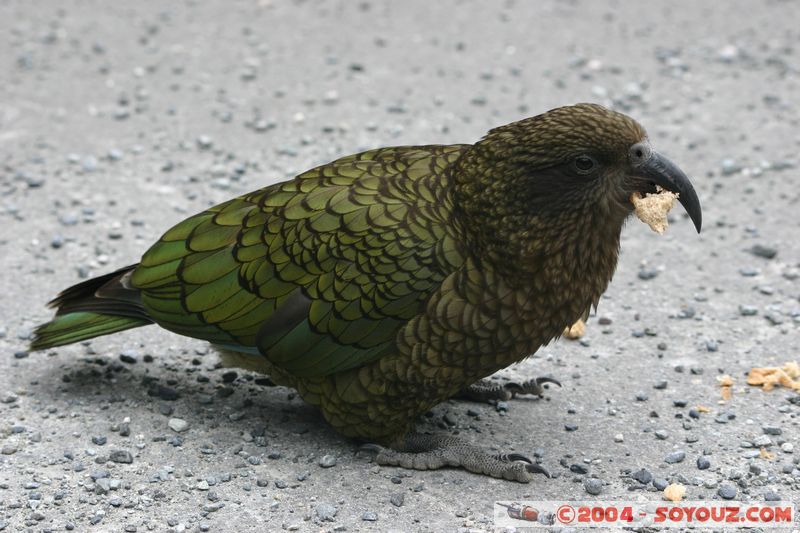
(536,468)
(540,381)
(515,457)
(370,447)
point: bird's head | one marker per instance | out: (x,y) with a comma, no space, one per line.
(571,166)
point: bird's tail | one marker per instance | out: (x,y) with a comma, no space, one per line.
(95,307)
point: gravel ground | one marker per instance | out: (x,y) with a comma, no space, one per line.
(118,120)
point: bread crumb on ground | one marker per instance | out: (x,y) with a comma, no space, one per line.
(764,454)
(575,331)
(726,384)
(675,492)
(767,377)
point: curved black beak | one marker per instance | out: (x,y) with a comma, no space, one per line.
(663,172)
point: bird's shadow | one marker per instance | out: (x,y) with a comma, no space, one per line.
(219,398)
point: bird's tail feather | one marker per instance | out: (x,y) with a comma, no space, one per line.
(99,306)
(79,326)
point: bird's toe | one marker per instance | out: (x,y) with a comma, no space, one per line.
(532,386)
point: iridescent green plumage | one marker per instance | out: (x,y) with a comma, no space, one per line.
(317,274)
(382,283)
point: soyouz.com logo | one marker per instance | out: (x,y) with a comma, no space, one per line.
(521,515)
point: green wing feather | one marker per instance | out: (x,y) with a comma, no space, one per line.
(317,274)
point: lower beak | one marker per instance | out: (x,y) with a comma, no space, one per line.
(666,174)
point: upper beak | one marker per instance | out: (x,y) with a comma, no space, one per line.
(663,172)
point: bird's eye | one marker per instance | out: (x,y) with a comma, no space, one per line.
(584,164)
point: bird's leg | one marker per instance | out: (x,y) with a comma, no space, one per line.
(419,451)
(485,390)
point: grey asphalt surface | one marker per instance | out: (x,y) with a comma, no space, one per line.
(117,120)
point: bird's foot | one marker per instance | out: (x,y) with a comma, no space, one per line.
(418,451)
(486,390)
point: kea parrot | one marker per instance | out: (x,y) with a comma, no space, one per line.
(383,283)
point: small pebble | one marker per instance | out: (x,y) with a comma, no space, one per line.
(592,485)
(204,142)
(703,463)
(724,418)
(102,486)
(327,461)
(578,468)
(162,391)
(643,476)
(729,167)
(325,512)
(8,449)
(762,440)
(748,310)
(130,357)
(121,456)
(647,274)
(767,252)
(727,491)
(178,424)
(397,499)
(675,457)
